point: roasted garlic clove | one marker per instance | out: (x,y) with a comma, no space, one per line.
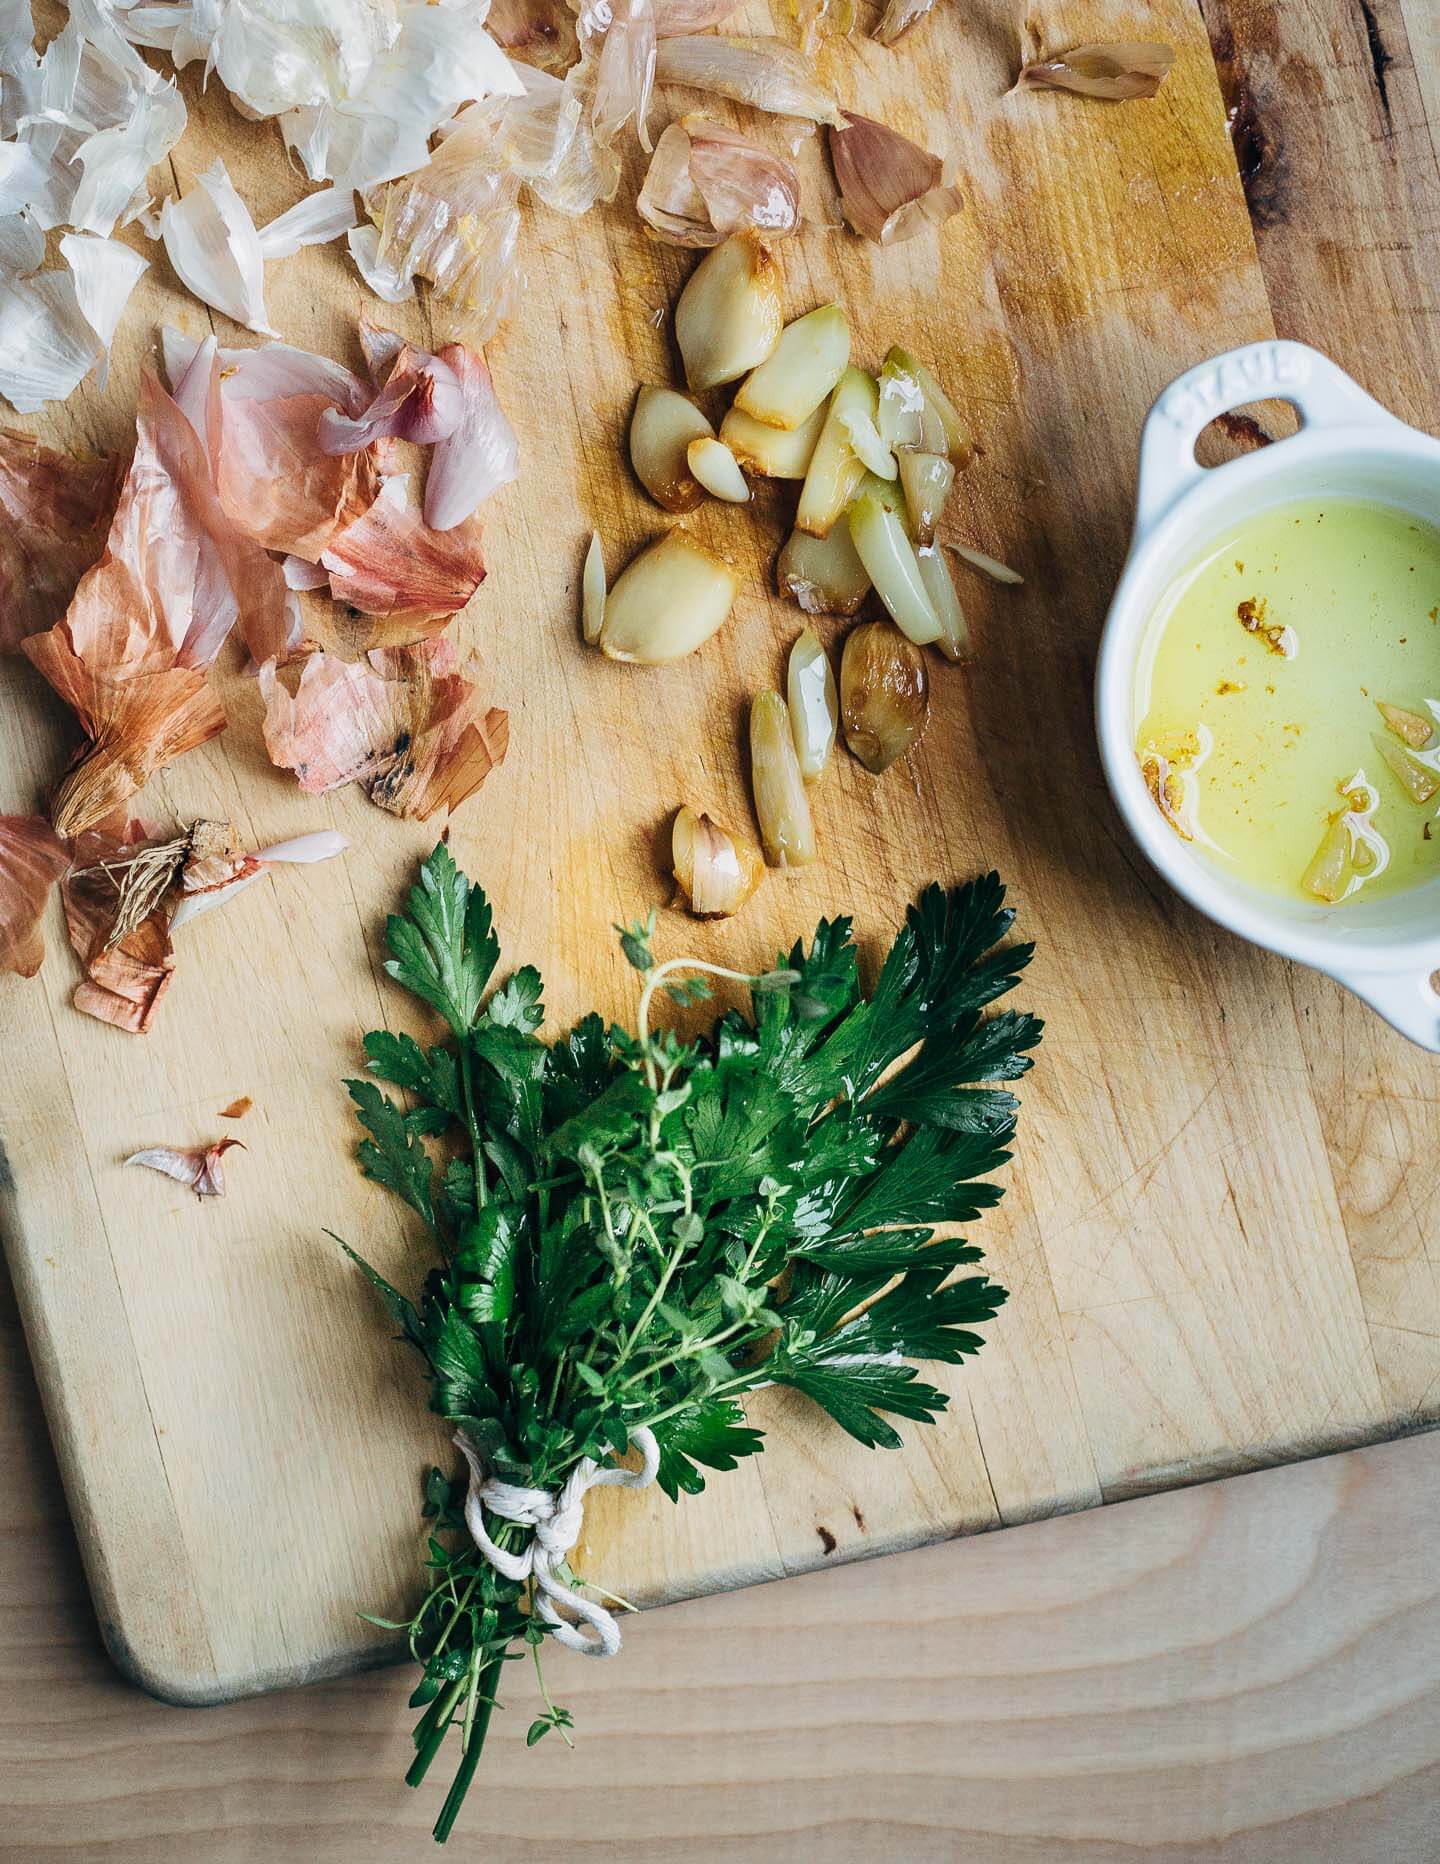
(773,452)
(729,316)
(781,805)
(884,694)
(661,430)
(814,704)
(810,358)
(882,545)
(823,574)
(835,468)
(715,870)
(667,602)
(715,466)
(592,592)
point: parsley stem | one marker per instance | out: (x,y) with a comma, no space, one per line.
(467,1091)
(653,978)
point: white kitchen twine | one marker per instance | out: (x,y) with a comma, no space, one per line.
(556,1516)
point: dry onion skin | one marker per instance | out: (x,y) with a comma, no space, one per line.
(814,704)
(772,452)
(666,602)
(715,870)
(823,574)
(890,188)
(810,358)
(661,429)
(781,805)
(1116,73)
(592,592)
(884,694)
(729,316)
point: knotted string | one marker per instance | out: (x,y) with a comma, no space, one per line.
(556,1517)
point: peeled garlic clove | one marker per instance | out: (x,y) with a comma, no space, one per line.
(814,704)
(864,437)
(959,441)
(714,465)
(729,315)
(925,480)
(835,468)
(661,429)
(823,574)
(773,452)
(810,358)
(716,872)
(889,558)
(592,592)
(1419,780)
(781,805)
(906,419)
(954,637)
(884,694)
(1408,726)
(667,602)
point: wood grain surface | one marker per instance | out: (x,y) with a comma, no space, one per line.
(1218,1229)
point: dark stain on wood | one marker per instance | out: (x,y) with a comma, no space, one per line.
(1259,155)
(1380,59)
(827,1539)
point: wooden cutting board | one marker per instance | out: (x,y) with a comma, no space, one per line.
(1215,1233)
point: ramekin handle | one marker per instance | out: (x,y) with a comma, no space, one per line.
(1408,1003)
(1276,370)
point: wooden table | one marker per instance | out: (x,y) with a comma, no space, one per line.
(1249,1670)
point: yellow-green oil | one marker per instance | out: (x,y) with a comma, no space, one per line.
(1258,693)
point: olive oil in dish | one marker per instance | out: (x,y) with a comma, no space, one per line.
(1288,694)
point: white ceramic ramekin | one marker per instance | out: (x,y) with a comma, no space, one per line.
(1348,446)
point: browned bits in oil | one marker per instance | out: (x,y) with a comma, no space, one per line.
(1251,615)
(1230,686)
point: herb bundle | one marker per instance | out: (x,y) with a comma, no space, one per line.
(634,1231)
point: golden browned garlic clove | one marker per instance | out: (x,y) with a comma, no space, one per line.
(814,704)
(772,452)
(715,466)
(810,358)
(729,316)
(661,429)
(715,870)
(823,574)
(835,467)
(667,602)
(884,694)
(781,805)
(592,592)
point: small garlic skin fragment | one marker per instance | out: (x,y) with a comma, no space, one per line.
(884,694)
(954,637)
(772,452)
(889,557)
(592,592)
(666,602)
(835,468)
(925,479)
(661,429)
(810,358)
(823,574)
(814,704)
(715,871)
(960,442)
(781,805)
(991,566)
(715,466)
(729,316)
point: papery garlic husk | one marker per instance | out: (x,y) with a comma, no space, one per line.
(823,574)
(925,479)
(669,202)
(781,805)
(1117,73)
(729,316)
(884,694)
(765,73)
(884,548)
(661,429)
(666,602)
(55,510)
(890,188)
(835,17)
(772,452)
(835,469)
(592,592)
(1408,726)
(810,358)
(959,441)
(954,637)
(741,182)
(897,19)
(715,466)
(715,871)
(1413,771)
(814,704)
(198,1168)
(987,565)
